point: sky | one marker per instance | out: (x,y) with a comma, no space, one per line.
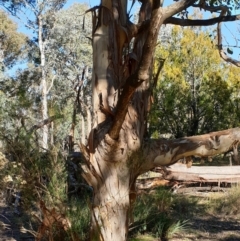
(230,30)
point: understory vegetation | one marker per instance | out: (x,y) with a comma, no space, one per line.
(164,215)
(158,213)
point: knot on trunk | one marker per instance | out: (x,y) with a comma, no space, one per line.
(112,150)
(110,141)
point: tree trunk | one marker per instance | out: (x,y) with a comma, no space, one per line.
(45,128)
(121,82)
(111,203)
(204,174)
(83,134)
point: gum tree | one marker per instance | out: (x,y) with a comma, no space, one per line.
(118,148)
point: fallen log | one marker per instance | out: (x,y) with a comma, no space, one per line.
(204,189)
(179,172)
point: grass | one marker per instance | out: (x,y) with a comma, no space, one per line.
(143,237)
(164,216)
(226,203)
(79,215)
(153,215)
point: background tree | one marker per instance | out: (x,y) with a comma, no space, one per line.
(11,42)
(21,112)
(185,97)
(71,57)
(61,54)
(41,22)
(13,47)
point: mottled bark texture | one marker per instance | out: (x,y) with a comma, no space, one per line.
(44,108)
(116,152)
(167,152)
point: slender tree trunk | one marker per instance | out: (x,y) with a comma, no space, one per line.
(45,128)
(83,134)
(52,134)
(89,121)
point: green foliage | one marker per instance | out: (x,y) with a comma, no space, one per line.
(42,176)
(152,214)
(38,175)
(195,92)
(79,215)
(69,52)
(11,41)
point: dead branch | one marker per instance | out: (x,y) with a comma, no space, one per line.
(50,218)
(44,122)
(201,22)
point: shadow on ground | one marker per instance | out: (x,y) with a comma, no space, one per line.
(10,225)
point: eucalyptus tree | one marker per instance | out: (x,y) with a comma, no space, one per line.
(38,17)
(118,149)
(12,51)
(71,61)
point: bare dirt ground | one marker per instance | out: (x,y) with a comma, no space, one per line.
(10,225)
(204,224)
(209,228)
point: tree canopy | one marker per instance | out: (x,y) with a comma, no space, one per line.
(185,96)
(11,41)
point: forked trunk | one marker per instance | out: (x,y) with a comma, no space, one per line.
(118,124)
(121,80)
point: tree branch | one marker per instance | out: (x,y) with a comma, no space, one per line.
(219,20)
(202,22)
(51,85)
(19,18)
(177,7)
(31,7)
(44,122)
(158,17)
(167,152)
(223,55)
(142,72)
